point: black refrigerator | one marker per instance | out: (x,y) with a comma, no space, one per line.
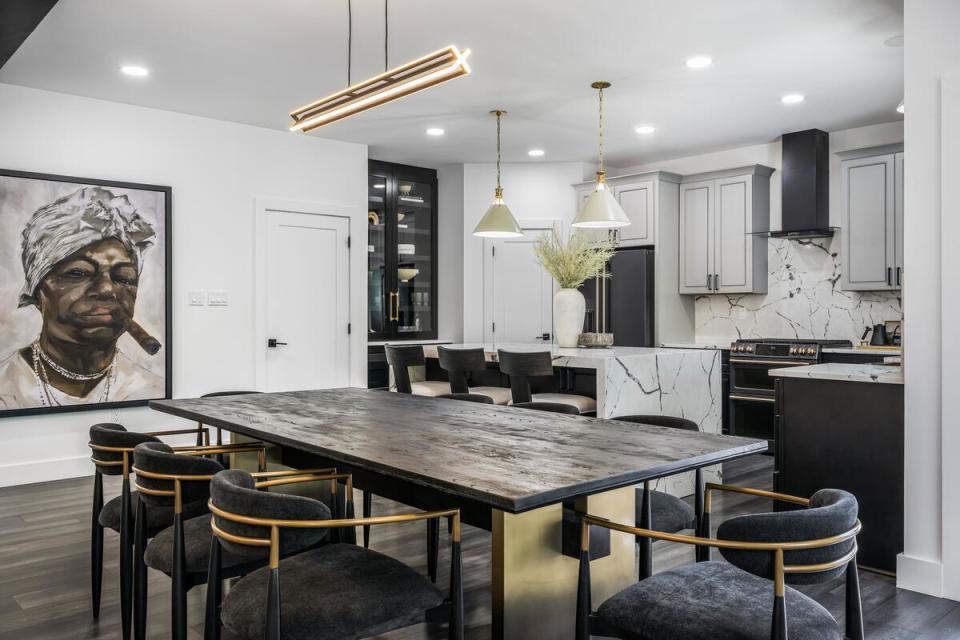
(625,299)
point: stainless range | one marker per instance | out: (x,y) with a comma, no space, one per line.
(751,408)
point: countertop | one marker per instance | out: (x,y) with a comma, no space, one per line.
(693,345)
(892,351)
(490,350)
(878,373)
(380,343)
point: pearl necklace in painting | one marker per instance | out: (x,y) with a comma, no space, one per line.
(47,398)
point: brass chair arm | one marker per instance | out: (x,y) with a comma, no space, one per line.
(239,447)
(153,475)
(305,475)
(292,472)
(176,432)
(731,488)
(331,523)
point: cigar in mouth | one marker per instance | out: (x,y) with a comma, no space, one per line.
(146,341)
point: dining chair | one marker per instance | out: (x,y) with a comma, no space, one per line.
(330,592)
(521,366)
(468,397)
(176,481)
(553,407)
(731,599)
(460,364)
(401,358)
(659,510)
(111,447)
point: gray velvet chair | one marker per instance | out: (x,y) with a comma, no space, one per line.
(111,448)
(460,364)
(661,511)
(364,593)
(552,407)
(176,482)
(468,397)
(521,366)
(732,600)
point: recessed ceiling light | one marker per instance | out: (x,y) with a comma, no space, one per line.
(135,70)
(699,62)
(900,107)
(644,129)
(535,153)
(792,98)
(435,131)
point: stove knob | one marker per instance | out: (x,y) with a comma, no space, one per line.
(811,351)
(793,351)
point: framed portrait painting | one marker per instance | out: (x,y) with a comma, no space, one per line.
(85,315)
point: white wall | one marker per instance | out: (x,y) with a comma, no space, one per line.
(533,191)
(930,562)
(450,252)
(216,170)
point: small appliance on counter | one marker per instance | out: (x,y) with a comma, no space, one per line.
(886,334)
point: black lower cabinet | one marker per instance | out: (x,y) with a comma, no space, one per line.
(846,435)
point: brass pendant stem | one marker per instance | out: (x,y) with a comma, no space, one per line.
(600,86)
(499,113)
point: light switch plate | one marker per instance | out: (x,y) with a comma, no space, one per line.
(217,298)
(197,298)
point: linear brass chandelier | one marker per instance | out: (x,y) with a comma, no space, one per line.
(432,69)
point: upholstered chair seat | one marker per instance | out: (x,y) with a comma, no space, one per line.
(432,388)
(669,514)
(468,397)
(158,518)
(711,600)
(584,404)
(524,366)
(553,407)
(499,395)
(335,592)
(196,548)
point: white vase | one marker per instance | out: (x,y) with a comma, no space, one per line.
(569,307)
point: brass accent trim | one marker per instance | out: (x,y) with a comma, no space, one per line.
(231,537)
(584,536)
(274,547)
(731,488)
(823,566)
(455,529)
(401,518)
(752,398)
(292,472)
(778,580)
(600,84)
(173,432)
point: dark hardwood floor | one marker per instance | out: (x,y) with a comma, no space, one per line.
(45,551)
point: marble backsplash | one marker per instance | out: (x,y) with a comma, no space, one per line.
(803,300)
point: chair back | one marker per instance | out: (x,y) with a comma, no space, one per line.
(458,363)
(159,458)
(521,366)
(400,359)
(469,397)
(553,407)
(662,421)
(235,492)
(114,436)
(832,512)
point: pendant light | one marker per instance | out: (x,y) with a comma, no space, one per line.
(601,210)
(498,222)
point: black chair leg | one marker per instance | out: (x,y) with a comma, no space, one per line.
(433,547)
(273,605)
(96,544)
(126,570)
(367,511)
(584,606)
(455,631)
(646,544)
(350,533)
(140,574)
(779,629)
(178,601)
(211,625)
(701,553)
(854,608)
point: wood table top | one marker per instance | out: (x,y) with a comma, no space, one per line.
(508,458)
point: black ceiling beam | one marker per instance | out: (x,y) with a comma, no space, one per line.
(18,19)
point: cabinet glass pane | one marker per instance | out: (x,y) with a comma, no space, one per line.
(414,251)
(376,258)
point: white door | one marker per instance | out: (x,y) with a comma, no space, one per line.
(869,244)
(696,237)
(307,301)
(522,291)
(636,198)
(733,255)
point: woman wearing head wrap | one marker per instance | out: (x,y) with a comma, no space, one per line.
(82,256)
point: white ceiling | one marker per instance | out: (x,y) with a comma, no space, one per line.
(252,61)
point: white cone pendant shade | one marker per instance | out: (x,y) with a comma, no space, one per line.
(498,221)
(601,210)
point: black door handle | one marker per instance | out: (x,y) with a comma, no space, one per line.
(272,343)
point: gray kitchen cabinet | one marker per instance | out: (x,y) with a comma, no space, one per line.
(872,226)
(637,200)
(723,218)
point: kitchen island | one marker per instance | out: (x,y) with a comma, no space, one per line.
(639,380)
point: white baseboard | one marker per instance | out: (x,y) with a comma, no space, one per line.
(45,470)
(920,574)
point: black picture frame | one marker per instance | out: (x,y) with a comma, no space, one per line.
(168,293)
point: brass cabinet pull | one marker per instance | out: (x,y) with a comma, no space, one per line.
(394,310)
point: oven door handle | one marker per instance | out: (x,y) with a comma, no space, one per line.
(753,399)
(786,363)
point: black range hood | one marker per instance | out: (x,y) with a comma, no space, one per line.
(805,186)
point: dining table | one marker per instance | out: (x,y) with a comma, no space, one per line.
(523,475)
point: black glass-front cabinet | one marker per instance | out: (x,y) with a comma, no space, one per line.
(401,252)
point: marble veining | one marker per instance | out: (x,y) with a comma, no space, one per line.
(876,373)
(803,300)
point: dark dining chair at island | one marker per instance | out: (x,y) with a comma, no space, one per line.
(175,481)
(327,593)
(460,363)
(521,366)
(401,358)
(659,510)
(731,600)
(111,448)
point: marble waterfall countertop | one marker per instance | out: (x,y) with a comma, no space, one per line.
(643,381)
(879,373)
